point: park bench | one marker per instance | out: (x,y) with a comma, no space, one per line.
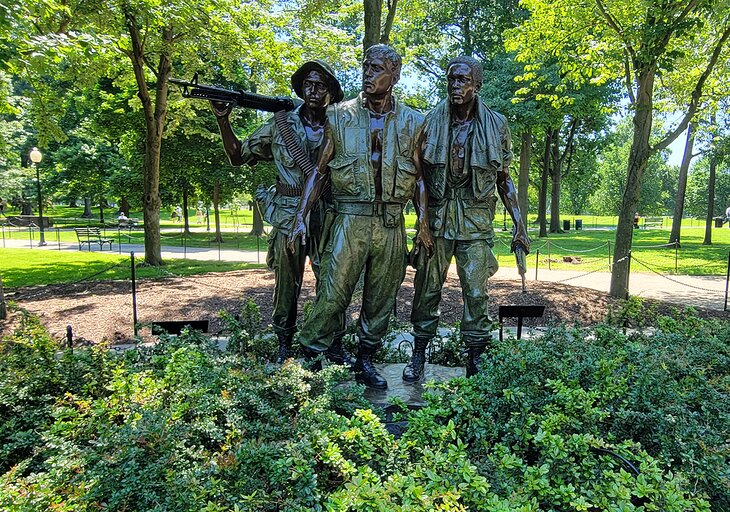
(127,223)
(653,222)
(88,236)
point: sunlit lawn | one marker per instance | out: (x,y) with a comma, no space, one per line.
(27,267)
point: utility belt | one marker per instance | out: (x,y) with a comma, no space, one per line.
(288,190)
(390,212)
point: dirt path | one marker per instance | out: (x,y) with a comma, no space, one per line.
(103,310)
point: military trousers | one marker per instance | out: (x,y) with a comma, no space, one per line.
(475,264)
(357,243)
(288,270)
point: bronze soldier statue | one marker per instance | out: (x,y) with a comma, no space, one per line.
(317,85)
(367,155)
(464,152)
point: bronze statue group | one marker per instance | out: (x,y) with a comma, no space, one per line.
(346,169)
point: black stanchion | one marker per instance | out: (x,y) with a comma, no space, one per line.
(258,248)
(676,256)
(609,255)
(537,262)
(219,249)
(185,247)
(3,228)
(70,337)
(30,235)
(548,246)
(119,238)
(727,281)
(134,294)
(58,237)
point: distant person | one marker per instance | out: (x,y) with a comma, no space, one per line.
(199,215)
(179,213)
(121,217)
(727,216)
(636,220)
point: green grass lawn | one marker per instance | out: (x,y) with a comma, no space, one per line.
(29,267)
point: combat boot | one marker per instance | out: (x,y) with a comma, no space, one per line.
(284,348)
(472,361)
(338,355)
(413,372)
(365,372)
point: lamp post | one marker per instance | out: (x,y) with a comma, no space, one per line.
(36,157)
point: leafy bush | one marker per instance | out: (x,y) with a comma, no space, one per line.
(183,426)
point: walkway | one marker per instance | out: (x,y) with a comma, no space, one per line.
(699,291)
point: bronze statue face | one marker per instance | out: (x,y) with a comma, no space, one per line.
(315,90)
(461,85)
(377,76)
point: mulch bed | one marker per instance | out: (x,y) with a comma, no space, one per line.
(102,311)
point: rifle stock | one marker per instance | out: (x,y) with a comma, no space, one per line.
(241,99)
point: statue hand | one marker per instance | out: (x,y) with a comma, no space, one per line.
(221,109)
(299,229)
(521,239)
(425,241)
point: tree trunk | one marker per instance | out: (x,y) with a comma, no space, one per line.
(124,206)
(155,124)
(385,35)
(101,210)
(87,208)
(542,198)
(638,159)
(3,307)
(216,210)
(372,16)
(682,185)
(710,199)
(523,180)
(555,174)
(185,210)
(72,203)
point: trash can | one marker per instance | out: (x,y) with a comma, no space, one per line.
(566,225)
(718,222)
(578,224)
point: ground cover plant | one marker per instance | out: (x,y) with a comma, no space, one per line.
(183,426)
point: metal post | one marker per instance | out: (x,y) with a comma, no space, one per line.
(42,241)
(727,281)
(119,238)
(3,227)
(58,237)
(185,247)
(70,337)
(548,246)
(609,255)
(676,256)
(537,261)
(219,249)
(628,273)
(134,294)
(258,248)
(30,235)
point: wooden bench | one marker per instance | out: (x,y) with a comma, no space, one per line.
(88,236)
(653,222)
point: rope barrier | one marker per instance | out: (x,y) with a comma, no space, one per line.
(178,276)
(670,279)
(579,251)
(673,244)
(599,269)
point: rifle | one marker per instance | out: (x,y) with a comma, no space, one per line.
(241,99)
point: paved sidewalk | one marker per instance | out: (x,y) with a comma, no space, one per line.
(699,291)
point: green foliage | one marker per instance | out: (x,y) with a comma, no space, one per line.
(182,426)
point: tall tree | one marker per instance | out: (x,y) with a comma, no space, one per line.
(636,39)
